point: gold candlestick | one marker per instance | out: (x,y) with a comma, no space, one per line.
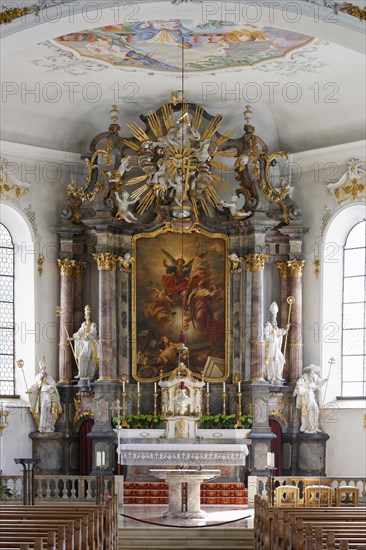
(223,403)
(125,424)
(207,404)
(155,395)
(238,421)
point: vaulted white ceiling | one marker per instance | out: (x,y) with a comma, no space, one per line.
(311,97)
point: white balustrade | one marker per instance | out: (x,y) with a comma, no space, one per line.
(54,488)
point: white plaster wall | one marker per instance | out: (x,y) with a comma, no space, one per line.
(342,420)
(15,441)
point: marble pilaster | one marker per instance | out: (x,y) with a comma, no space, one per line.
(107,359)
(66,266)
(78,294)
(284,294)
(295,334)
(255,264)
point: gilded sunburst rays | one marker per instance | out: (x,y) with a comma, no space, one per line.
(180,158)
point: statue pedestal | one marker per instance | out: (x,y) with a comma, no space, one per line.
(304,454)
(59,452)
(185,505)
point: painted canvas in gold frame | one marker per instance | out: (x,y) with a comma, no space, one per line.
(169,293)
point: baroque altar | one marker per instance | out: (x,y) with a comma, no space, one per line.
(181,226)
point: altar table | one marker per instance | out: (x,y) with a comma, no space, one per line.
(191,507)
(190,453)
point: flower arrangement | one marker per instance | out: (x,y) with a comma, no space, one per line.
(146,421)
(221,421)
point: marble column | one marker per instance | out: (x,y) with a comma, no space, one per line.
(284,294)
(255,264)
(107,270)
(66,314)
(78,317)
(295,268)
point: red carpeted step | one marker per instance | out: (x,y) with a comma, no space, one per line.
(156,492)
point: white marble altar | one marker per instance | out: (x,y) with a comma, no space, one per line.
(188,507)
(189,453)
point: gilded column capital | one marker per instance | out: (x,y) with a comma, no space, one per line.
(255,262)
(79,268)
(295,267)
(283,269)
(106,261)
(66,267)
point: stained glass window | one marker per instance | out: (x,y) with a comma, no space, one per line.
(354,313)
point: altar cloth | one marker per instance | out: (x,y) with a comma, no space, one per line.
(229,454)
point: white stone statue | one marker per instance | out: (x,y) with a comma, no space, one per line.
(124,166)
(179,136)
(305,389)
(86,347)
(44,399)
(182,401)
(123,202)
(233,208)
(274,359)
(178,185)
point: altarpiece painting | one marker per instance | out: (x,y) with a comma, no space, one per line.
(180,281)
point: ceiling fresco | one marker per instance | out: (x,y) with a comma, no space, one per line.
(162,45)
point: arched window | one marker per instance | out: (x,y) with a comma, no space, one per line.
(354,313)
(7,385)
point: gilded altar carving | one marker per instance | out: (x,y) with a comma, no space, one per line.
(80,268)
(283,269)
(83,402)
(276,406)
(106,261)
(66,267)
(255,262)
(295,267)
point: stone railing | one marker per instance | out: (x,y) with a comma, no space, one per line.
(57,488)
(259,485)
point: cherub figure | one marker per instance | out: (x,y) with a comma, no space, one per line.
(126,262)
(123,202)
(286,187)
(241,162)
(235,262)
(160,182)
(234,210)
(178,185)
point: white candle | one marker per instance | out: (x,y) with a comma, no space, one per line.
(239,386)
(223,387)
(103,459)
(99,459)
(155,387)
(138,387)
(207,387)
(123,386)
(273,460)
(269,460)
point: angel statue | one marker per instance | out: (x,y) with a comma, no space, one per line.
(123,202)
(124,166)
(178,185)
(236,262)
(233,208)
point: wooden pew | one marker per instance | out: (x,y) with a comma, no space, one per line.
(86,527)
(287,528)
